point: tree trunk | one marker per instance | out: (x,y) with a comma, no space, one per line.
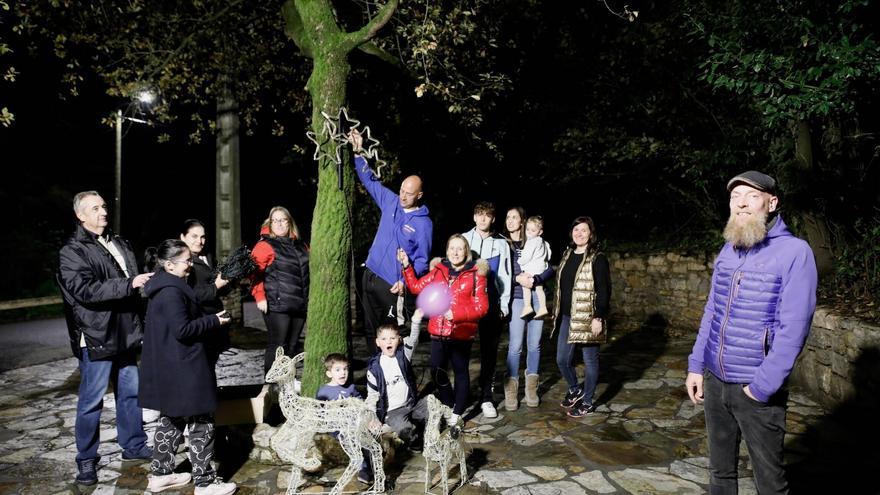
(311,24)
(228,203)
(815,227)
(330,256)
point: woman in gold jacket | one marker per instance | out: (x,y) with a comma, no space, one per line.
(583,296)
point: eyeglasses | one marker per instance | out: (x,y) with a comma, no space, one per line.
(282,221)
(188,262)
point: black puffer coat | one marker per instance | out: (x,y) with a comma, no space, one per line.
(287,278)
(98,298)
(177,375)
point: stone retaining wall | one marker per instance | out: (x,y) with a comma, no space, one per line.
(841,359)
(670,285)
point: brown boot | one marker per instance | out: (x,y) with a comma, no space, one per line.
(511,389)
(532,390)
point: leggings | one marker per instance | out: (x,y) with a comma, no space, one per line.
(458,352)
(284,331)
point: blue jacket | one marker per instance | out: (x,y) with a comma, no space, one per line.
(496,252)
(376,381)
(410,230)
(329,391)
(759,312)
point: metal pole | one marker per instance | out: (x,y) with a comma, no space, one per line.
(117,200)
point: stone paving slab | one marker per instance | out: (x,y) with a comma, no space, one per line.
(646,436)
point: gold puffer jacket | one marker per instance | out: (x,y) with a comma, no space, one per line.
(583,303)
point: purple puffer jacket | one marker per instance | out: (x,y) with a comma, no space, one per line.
(759,312)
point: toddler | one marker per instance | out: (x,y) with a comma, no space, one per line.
(534,260)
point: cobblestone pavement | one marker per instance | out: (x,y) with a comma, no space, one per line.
(645,437)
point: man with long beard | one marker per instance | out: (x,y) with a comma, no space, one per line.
(756,320)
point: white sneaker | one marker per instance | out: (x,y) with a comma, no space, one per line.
(488,410)
(161,482)
(150,416)
(218,487)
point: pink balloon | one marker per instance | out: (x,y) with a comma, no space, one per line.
(434,299)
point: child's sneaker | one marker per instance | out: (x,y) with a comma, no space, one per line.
(365,476)
(581,409)
(162,482)
(541,313)
(526,311)
(572,397)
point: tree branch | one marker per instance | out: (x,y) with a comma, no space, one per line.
(293,28)
(371,48)
(369,31)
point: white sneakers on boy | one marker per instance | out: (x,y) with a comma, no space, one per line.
(488,410)
(157,483)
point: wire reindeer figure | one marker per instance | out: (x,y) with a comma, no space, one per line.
(441,447)
(305,416)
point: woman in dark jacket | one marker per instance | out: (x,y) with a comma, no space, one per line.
(583,300)
(281,282)
(177,376)
(206,283)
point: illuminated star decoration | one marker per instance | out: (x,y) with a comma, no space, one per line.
(336,129)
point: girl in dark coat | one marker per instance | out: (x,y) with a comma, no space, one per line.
(177,375)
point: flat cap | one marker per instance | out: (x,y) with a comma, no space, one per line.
(758,180)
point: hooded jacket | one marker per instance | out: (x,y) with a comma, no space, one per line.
(496,251)
(759,312)
(411,231)
(176,376)
(99,302)
(469,299)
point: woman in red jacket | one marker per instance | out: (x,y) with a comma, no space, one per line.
(452,333)
(281,282)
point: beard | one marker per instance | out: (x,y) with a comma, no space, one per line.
(747,233)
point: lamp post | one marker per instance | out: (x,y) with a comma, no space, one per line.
(145,97)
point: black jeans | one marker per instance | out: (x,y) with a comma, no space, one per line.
(732,415)
(458,352)
(284,331)
(380,307)
(166,440)
(490,335)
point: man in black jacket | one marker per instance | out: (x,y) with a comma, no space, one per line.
(98,278)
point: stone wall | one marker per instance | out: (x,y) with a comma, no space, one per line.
(669,285)
(840,360)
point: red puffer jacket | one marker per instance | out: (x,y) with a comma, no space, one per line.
(470,301)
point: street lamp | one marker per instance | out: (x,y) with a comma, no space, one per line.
(145,97)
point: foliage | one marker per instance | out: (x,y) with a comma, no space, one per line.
(796,60)
(192,53)
(855,284)
(451,48)
(8,73)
